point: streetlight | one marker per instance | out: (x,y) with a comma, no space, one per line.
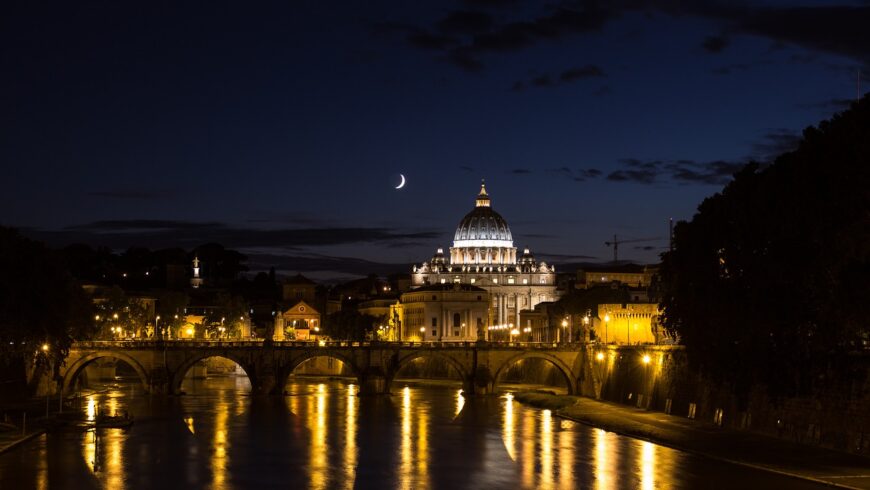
(157,325)
(514,332)
(528,331)
(565,328)
(586,324)
(422,333)
(606,320)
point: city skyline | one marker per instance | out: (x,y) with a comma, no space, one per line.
(281,132)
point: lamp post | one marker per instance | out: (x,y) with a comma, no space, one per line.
(157,326)
(586,323)
(564,328)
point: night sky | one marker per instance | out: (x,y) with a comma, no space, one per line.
(280,129)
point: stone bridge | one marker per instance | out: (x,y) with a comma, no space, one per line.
(163,365)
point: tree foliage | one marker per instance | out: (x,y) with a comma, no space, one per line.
(40,304)
(767,283)
(349,324)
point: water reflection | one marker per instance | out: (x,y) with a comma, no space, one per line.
(324,435)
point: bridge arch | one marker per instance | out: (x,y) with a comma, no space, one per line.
(180,373)
(452,361)
(567,372)
(75,369)
(297,361)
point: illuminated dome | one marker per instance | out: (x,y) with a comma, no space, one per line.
(483,227)
(483,237)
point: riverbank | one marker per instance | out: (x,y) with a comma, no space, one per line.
(706,439)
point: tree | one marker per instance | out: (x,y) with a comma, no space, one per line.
(40,305)
(767,282)
(229,315)
(171,306)
(349,324)
(120,315)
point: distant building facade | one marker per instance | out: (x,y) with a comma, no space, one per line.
(299,322)
(632,323)
(483,255)
(442,312)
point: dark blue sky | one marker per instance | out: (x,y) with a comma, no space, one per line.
(280,129)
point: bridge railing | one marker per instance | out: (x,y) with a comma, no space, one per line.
(217,344)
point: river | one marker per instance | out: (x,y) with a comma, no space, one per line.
(323,435)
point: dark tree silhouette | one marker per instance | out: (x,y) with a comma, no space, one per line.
(40,305)
(768,282)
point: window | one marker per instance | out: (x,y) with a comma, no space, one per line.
(472,280)
(510,280)
(543,281)
(434,323)
(525,281)
(455,332)
(443,281)
(434,333)
(495,280)
(434,298)
(456,321)
(479,298)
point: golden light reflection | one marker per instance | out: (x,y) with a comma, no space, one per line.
(42,469)
(188,421)
(114,465)
(603,449)
(566,459)
(319,477)
(350,449)
(414,451)
(460,401)
(91,410)
(405,457)
(220,443)
(647,465)
(422,450)
(508,426)
(547,449)
(528,450)
(89,449)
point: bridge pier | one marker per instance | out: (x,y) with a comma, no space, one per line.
(374,382)
(482,382)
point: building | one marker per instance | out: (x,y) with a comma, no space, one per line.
(443,312)
(632,323)
(483,255)
(298,288)
(299,322)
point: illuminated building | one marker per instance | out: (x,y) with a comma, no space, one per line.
(444,312)
(483,255)
(299,322)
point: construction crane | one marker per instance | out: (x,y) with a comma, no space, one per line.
(616,241)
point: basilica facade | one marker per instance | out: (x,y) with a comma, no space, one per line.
(483,255)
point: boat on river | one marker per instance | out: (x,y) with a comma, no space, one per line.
(113,421)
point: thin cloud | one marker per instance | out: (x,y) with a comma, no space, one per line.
(776,142)
(121,234)
(648,172)
(566,76)
(715,44)
(133,194)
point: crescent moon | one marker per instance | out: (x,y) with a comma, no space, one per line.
(402,184)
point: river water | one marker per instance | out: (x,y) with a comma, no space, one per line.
(322,435)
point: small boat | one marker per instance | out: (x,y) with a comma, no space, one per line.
(113,421)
